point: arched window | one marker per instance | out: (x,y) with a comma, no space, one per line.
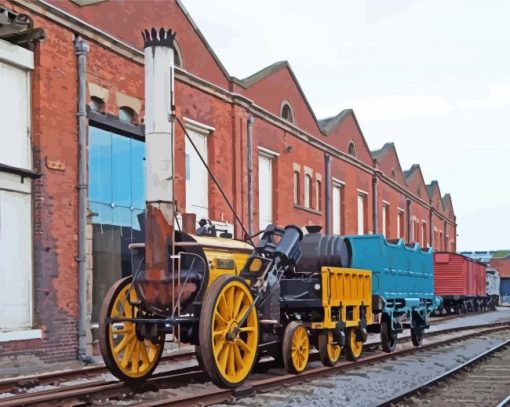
(96,104)
(126,114)
(352,149)
(297,188)
(393,174)
(178,61)
(287,113)
(308,191)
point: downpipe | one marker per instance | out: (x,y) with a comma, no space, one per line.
(81,49)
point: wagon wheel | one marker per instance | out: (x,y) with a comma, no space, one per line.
(295,347)
(353,347)
(329,351)
(388,341)
(228,350)
(127,356)
(417,336)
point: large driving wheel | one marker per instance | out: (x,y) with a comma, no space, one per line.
(295,347)
(388,340)
(128,356)
(329,350)
(228,346)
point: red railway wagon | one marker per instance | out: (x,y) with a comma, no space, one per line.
(461,282)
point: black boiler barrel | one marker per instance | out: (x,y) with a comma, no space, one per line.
(323,250)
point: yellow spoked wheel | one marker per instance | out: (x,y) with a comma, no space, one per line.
(228,345)
(295,347)
(353,347)
(329,350)
(127,356)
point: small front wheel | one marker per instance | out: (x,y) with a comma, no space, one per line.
(295,347)
(329,351)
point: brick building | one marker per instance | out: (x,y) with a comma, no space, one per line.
(274,159)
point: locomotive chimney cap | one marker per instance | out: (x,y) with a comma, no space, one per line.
(163,37)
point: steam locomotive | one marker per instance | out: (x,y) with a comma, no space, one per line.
(292,291)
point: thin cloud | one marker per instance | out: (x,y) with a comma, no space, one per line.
(393,108)
(498,96)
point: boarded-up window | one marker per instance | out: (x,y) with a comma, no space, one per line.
(14,116)
(296,187)
(400,224)
(318,195)
(197,177)
(15,195)
(16,260)
(308,191)
(265,191)
(337,210)
(361,214)
(385,220)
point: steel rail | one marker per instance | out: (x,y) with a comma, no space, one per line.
(216,395)
(505,402)
(10,384)
(14,384)
(90,388)
(185,375)
(423,387)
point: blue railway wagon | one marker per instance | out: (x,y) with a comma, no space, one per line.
(402,286)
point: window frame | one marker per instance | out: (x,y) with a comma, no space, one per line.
(352,145)
(287,104)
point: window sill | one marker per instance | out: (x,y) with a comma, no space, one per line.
(304,208)
(20,335)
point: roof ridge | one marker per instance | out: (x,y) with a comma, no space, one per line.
(261,74)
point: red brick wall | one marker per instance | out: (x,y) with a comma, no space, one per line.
(126,19)
(270,93)
(503,266)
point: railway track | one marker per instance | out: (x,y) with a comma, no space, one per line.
(174,382)
(279,379)
(23,383)
(482,381)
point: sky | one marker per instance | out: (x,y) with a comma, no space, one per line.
(432,76)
